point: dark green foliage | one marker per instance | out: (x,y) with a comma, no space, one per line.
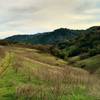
(87,44)
(3,42)
(53,37)
(84,56)
(67,43)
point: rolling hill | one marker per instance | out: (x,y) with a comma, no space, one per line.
(67,44)
(28,74)
(55,36)
(84,47)
(68,69)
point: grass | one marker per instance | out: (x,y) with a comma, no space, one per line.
(27,74)
(91,64)
(41,57)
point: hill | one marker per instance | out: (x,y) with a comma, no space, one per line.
(28,74)
(55,36)
(67,44)
(85,46)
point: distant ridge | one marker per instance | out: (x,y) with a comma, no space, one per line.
(58,35)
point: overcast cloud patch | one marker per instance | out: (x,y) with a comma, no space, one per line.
(31,16)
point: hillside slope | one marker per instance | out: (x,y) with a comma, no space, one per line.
(28,74)
(83,47)
(56,36)
(46,38)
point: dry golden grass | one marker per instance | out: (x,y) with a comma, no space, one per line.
(63,74)
(57,80)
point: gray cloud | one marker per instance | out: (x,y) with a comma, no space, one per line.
(27,16)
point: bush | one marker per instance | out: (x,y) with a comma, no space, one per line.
(84,56)
(70,62)
(93,52)
(81,65)
(73,51)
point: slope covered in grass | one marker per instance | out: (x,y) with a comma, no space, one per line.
(27,74)
(91,64)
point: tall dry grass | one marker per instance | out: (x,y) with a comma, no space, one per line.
(62,81)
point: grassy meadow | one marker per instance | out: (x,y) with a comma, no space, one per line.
(28,74)
(91,64)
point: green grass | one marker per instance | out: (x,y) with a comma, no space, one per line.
(42,57)
(19,72)
(78,94)
(91,64)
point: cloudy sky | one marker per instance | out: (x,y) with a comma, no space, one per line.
(32,16)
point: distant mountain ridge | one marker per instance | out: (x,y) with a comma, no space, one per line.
(80,48)
(82,51)
(86,44)
(58,35)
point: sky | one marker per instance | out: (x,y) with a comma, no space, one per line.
(33,16)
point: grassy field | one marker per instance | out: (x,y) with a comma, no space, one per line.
(91,64)
(28,74)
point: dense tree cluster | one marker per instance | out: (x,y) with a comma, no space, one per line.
(46,38)
(86,44)
(66,43)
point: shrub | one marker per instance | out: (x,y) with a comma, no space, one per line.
(93,52)
(73,51)
(84,56)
